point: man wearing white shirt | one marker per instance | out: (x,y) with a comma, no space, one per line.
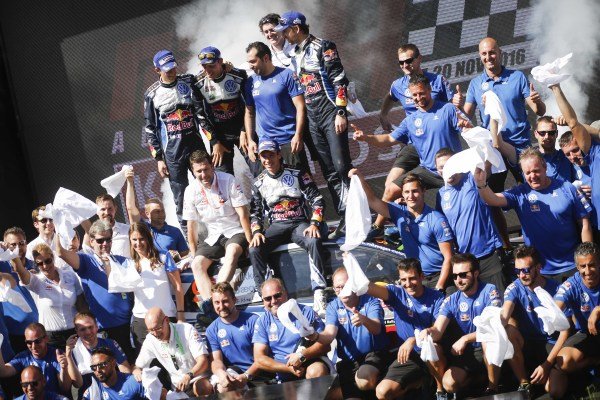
(45,227)
(179,349)
(281,49)
(216,199)
(107,210)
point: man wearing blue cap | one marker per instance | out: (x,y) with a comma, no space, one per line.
(172,111)
(284,195)
(319,68)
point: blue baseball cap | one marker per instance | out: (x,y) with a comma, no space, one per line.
(165,60)
(268,145)
(209,55)
(290,18)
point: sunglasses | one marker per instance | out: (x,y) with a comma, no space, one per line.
(45,220)
(544,133)
(25,385)
(102,240)
(13,245)
(47,261)
(102,365)
(525,271)
(408,61)
(461,275)
(210,56)
(35,341)
(276,296)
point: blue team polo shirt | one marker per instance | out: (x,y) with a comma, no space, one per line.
(464,308)
(469,217)
(111,309)
(525,301)
(49,365)
(271,96)
(440,90)
(579,299)
(233,340)
(559,166)
(7,350)
(412,313)
(430,131)
(47,396)
(15,318)
(126,388)
(582,173)
(549,220)
(512,88)
(268,330)
(168,238)
(119,357)
(421,235)
(355,342)
(593,160)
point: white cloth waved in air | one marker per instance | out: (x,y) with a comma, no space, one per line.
(551,315)
(491,332)
(549,73)
(357,280)
(291,307)
(114,183)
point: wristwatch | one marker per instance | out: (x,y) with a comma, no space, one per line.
(301,357)
(191,375)
(341,112)
(248,376)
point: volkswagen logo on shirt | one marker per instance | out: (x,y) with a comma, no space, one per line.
(463,307)
(183,88)
(418,122)
(532,198)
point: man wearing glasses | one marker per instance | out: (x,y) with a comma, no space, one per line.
(558,165)
(34,386)
(107,211)
(112,310)
(110,383)
(180,351)
(279,350)
(45,227)
(52,362)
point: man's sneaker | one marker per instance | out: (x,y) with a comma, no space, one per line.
(206,313)
(376,232)
(339,232)
(489,391)
(320,303)
(525,387)
(441,395)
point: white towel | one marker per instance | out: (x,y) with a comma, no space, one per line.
(428,351)
(69,210)
(93,392)
(47,212)
(10,295)
(123,278)
(358,215)
(357,280)
(291,307)
(354,105)
(7,255)
(114,183)
(151,383)
(172,395)
(495,109)
(491,332)
(551,315)
(548,74)
(82,357)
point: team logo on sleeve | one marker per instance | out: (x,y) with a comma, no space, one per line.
(330,54)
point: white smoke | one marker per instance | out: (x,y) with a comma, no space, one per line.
(561,27)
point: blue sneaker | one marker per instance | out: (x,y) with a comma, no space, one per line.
(376,232)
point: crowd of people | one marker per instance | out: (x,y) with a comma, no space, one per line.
(78,331)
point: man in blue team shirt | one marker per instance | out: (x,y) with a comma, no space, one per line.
(558,166)
(52,362)
(415,307)
(112,310)
(553,215)
(581,295)
(471,221)
(277,349)
(110,383)
(230,340)
(34,386)
(535,356)
(356,323)
(463,306)
(426,234)
(409,59)
(275,99)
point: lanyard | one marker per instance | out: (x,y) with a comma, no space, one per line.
(178,346)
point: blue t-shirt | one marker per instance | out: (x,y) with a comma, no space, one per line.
(464,308)
(582,173)
(469,217)
(47,396)
(271,96)
(119,357)
(15,318)
(593,160)
(168,238)
(7,350)
(512,88)
(268,330)
(49,365)
(579,299)
(525,301)
(556,210)
(559,166)
(412,313)
(110,309)
(429,131)
(126,388)
(233,340)
(421,235)
(355,342)
(440,90)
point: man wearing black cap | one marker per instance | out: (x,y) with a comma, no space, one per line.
(284,195)
(318,66)
(172,110)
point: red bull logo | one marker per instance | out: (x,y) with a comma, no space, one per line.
(225,110)
(306,79)
(330,54)
(179,115)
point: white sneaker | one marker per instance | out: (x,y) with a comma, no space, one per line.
(320,303)
(256,298)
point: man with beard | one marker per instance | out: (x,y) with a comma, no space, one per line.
(279,350)
(34,386)
(107,210)
(572,151)
(110,383)
(230,340)
(558,166)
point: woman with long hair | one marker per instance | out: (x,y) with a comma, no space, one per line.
(157,269)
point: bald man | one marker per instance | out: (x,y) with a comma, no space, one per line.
(34,386)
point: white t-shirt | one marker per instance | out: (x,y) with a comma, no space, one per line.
(55,302)
(35,242)
(215,206)
(178,356)
(156,291)
(282,58)
(120,240)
